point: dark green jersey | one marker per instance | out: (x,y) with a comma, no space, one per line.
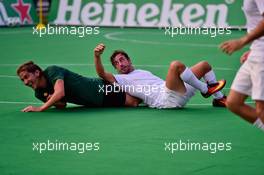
(78,89)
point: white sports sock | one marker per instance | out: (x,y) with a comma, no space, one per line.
(210,78)
(218,95)
(258,123)
(188,77)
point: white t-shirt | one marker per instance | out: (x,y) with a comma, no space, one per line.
(254,10)
(141,84)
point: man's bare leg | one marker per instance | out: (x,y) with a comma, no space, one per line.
(173,80)
(236,104)
(178,74)
(204,70)
(260,113)
(200,69)
(260,109)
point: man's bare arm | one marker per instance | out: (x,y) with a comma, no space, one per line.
(59,104)
(233,45)
(254,34)
(98,51)
(58,94)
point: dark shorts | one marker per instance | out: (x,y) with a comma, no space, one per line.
(114,98)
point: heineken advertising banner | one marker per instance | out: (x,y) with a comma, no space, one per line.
(17,12)
(148,13)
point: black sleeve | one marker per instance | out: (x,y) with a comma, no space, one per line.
(55,73)
(40,96)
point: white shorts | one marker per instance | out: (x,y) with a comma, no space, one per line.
(172,99)
(249,79)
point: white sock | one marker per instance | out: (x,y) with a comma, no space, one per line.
(188,77)
(258,123)
(210,78)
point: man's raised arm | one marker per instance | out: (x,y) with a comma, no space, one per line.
(98,51)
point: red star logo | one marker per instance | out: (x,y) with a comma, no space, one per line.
(23,10)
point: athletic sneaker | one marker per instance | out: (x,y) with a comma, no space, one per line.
(220,102)
(213,88)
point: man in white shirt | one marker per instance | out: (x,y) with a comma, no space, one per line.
(180,85)
(249,80)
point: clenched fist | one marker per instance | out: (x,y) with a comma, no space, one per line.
(99,49)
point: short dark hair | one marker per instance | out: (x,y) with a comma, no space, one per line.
(115,53)
(29,66)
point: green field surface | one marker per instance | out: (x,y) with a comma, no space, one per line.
(132,141)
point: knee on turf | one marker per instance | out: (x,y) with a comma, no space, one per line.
(178,66)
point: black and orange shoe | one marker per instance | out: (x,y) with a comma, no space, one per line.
(219,102)
(213,88)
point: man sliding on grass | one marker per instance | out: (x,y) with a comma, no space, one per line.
(180,85)
(56,86)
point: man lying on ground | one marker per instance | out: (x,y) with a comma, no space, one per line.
(180,85)
(56,86)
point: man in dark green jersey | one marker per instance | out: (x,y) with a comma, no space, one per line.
(56,86)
